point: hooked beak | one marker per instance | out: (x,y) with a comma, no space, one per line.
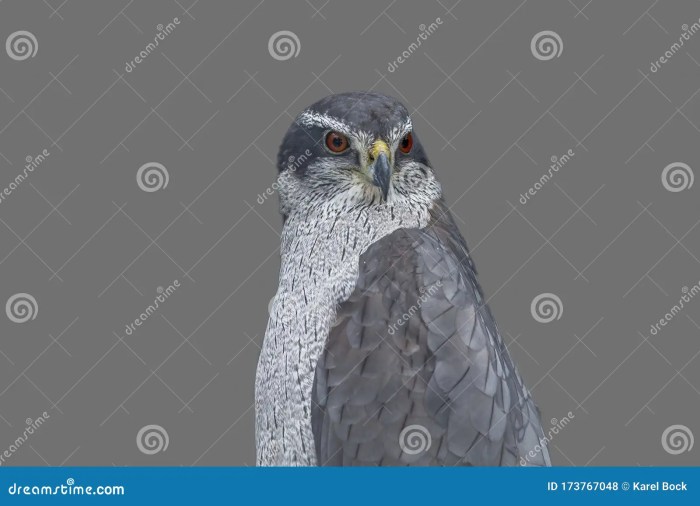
(380,169)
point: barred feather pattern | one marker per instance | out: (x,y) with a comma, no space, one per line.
(322,241)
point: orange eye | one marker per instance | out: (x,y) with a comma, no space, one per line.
(336,142)
(406,144)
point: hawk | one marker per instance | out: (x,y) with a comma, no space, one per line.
(380,348)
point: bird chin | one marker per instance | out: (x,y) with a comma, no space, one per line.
(375,198)
(370,194)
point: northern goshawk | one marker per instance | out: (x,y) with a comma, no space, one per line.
(380,348)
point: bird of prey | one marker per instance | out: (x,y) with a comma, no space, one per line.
(380,348)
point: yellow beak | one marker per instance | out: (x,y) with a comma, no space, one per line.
(378,148)
(380,168)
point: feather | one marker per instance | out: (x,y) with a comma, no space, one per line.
(415,348)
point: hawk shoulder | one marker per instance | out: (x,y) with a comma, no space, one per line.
(414,371)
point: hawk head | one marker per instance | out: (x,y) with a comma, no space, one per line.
(352,151)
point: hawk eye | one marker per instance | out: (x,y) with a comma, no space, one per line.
(336,142)
(406,144)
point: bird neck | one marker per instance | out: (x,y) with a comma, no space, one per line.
(319,270)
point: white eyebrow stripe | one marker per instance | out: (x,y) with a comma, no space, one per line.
(397,133)
(311,118)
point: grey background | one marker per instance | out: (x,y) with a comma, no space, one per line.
(211,105)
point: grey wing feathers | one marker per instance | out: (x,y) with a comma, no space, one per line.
(415,348)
